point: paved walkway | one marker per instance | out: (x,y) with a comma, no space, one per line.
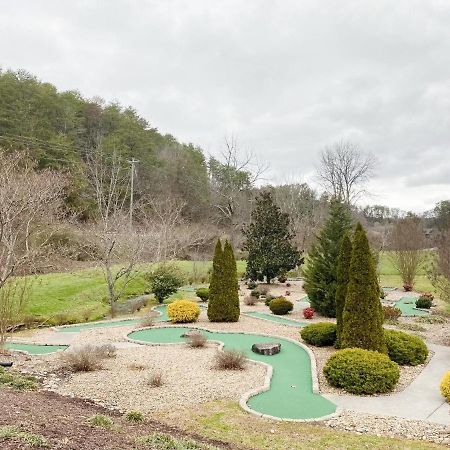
(420,400)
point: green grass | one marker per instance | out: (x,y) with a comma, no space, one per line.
(100,420)
(162,441)
(83,294)
(9,432)
(227,422)
(16,380)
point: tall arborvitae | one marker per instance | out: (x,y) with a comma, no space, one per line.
(343,274)
(363,313)
(223,305)
(320,273)
(271,251)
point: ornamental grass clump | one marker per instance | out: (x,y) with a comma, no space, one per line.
(230,360)
(183,311)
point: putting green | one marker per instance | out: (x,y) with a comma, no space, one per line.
(291,393)
(407,305)
(161,309)
(35,349)
(277,319)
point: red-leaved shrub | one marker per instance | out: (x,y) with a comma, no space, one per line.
(308,313)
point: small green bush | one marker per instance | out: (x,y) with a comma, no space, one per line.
(251,285)
(445,386)
(320,334)
(10,432)
(281,306)
(424,302)
(134,416)
(360,371)
(404,348)
(268,299)
(203,294)
(255,293)
(165,280)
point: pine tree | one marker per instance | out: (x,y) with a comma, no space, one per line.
(223,305)
(363,313)
(343,273)
(320,273)
(269,241)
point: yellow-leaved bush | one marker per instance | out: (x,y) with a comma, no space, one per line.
(183,311)
(445,386)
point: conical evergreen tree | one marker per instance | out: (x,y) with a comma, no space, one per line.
(320,273)
(223,305)
(363,313)
(269,241)
(343,273)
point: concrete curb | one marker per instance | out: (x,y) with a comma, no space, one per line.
(269,370)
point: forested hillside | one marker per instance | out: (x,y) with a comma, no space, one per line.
(60,129)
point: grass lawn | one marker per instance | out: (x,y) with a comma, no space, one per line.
(83,293)
(227,422)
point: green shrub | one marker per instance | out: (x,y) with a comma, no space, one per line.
(320,334)
(391,313)
(360,371)
(203,294)
(424,302)
(255,293)
(134,416)
(164,281)
(268,299)
(404,348)
(281,306)
(251,285)
(9,432)
(17,381)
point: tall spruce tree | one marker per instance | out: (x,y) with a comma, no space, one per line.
(223,305)
(343,274)
(269,241)
(363,313)
(320,273)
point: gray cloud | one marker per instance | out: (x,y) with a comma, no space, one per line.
(286,77)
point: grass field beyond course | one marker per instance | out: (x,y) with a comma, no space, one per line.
(84,294)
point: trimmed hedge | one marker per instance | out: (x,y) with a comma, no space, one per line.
(281,306)
(183,311)
(404,348)
(360,371)
(320,334)
(202,294)
(445,386)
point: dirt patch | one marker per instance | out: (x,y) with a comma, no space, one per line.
(63,422)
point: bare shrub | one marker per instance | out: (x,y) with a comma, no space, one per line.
(196,340)
(156,379)
(147,321)
(230,360)
(83,359)
(263,290)
(137,366)
(250,300)
(107,351)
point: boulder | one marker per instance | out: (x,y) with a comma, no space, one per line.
(267,348)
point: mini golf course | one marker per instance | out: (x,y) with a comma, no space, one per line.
(161,309)
(291,393)
(407,305)
(273,318)
(35,349)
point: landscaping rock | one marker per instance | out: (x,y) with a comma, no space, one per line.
(268,349)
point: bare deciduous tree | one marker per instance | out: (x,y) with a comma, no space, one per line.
(30,205)
(232,181)
(407,242)
(344,171)
(440,270)
(116,246)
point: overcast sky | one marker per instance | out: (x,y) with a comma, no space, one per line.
(285,77)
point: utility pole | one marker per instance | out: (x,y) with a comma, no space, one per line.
(132,163)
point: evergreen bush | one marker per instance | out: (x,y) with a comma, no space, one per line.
(321,334)
(404,348)
(281,306)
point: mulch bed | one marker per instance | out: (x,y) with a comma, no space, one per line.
(63,422)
